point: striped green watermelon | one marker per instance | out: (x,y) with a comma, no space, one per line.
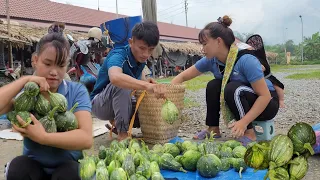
(66,121)
(48,121)
(31,89)
(58,100)
(298,168)
(24,102)
(281,151)
(42,105)
(303,138)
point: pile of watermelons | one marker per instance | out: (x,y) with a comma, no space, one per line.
(285,157)
(51,112)
(132,159)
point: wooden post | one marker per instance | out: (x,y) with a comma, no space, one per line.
(9,35)
(22,62)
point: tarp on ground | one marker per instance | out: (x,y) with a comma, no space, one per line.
(231,174)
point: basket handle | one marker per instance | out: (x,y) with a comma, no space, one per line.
(134,114)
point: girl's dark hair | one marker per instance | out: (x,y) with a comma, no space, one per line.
(57,41)
(218,29)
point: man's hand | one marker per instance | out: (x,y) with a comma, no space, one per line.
(158,89)
(151,80)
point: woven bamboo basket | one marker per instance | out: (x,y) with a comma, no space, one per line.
(154,129)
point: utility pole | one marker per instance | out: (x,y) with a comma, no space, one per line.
(98,5)
(186,11)
(117,8)
(9,34)
(302,39)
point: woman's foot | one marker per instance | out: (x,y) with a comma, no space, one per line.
(206,133)
(249,136)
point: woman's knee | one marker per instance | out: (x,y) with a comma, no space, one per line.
(67,171)
(23,166)
(214,85)
(231,88)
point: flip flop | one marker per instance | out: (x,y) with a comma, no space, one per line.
(202,135)
(114,130)
(245,140)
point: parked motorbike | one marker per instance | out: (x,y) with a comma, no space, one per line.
(84,61)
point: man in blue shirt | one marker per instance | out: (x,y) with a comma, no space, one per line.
(122,72)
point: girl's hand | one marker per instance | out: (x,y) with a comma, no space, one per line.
(41,81)
(35,131)
(238,128)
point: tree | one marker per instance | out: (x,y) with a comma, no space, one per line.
(290,46)
(311,47)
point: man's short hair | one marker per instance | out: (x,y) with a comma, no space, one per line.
(146,31)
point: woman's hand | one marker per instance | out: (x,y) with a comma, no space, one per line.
(238,128)
(35,131)
(158,89)
(41,81)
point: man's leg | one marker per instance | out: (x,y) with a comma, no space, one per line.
(114,103)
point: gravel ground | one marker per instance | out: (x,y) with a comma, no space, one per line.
(302,101)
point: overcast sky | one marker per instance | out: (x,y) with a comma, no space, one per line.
(275,20)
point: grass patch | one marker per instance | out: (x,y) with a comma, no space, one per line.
(194,84)
(284,68)
(198,83)
(188,103)
(310,75)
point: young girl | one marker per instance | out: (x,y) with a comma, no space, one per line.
(247,94)
(50,155)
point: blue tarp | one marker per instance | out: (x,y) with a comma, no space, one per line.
(231,174)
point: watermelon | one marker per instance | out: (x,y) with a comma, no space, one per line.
(66,121)
(31,89)
(24,103)
(42,105)
(23,114)
(278,173)
(209,165)
(298,168)
(281,151)
(48,122)
(168,162)
(87,168)
(58,100)
(303,138)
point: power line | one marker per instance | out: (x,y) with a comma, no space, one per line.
(170,7)
(173,10)
(173,15)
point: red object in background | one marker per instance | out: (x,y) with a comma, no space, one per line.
(177,68)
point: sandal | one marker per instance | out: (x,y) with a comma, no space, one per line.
(203,134)
(245,140)
(114,129)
